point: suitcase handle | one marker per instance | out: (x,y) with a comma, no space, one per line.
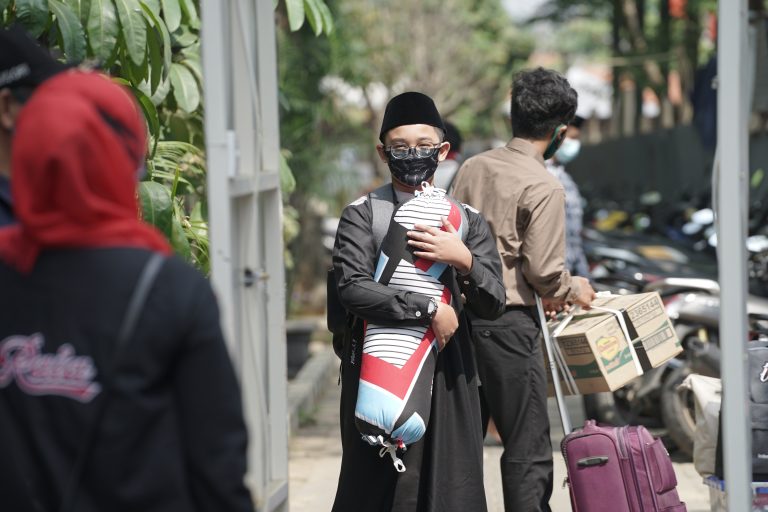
(592,461)
(565,420)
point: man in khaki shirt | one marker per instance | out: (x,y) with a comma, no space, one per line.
(525,208)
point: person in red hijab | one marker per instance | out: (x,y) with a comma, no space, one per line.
(161,416)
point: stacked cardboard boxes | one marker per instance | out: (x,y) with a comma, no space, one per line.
(608,346)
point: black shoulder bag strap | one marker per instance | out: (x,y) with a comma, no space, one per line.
(127,328)
(382,209)
(338,319)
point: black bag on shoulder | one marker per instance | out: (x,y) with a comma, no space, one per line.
(757,356)
(338,319)
(336,314)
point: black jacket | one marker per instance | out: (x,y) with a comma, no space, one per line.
(445,468)
(172,438)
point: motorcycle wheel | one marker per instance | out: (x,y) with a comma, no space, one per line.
(622,407)
(677,411)
(608,409)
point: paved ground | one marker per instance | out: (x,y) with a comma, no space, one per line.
(315,455)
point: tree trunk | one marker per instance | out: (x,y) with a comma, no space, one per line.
(640,10)
(664,45)
(692,35)
(664,42)
(634,24)
(380,170)
(618,21)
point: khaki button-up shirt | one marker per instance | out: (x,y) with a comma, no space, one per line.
(525,208)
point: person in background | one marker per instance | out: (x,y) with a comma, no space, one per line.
(575,260)
(154,423)
(446,170)
(525,208)
(24,65)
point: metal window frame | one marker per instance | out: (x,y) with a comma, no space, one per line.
(245,220)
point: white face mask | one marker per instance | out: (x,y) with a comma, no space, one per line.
(568,150)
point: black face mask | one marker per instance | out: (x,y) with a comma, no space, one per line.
(412,171)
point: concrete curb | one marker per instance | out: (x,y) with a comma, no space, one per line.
(307,388)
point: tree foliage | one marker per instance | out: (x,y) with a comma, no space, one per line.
(316,12)
(561,11)
(153,47)
(152,44)
(646,38)
(306,128)
(460,52)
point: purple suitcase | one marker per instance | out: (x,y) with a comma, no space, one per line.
(613,469)
(621,466)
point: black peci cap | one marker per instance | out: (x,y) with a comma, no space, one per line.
(23,62)
(410,108)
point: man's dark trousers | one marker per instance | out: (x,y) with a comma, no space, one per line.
(514,394)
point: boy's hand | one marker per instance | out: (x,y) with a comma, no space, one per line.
(445,323)
(444,246)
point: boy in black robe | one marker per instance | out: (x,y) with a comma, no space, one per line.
(445,468)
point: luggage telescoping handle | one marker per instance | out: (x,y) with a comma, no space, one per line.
(564,419)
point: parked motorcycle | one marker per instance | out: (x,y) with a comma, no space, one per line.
(696,316)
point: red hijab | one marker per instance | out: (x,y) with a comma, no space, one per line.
(77,147)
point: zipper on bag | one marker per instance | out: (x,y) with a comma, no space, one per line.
(643,446)
(623,435)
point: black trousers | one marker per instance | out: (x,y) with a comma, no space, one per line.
(514,393)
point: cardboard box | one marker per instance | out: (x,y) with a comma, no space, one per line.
(597,352)
(644,314)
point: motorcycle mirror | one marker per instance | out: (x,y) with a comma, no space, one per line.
(703,217)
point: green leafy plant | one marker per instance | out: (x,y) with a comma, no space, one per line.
(173,199)
(151,47)
(316,12)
